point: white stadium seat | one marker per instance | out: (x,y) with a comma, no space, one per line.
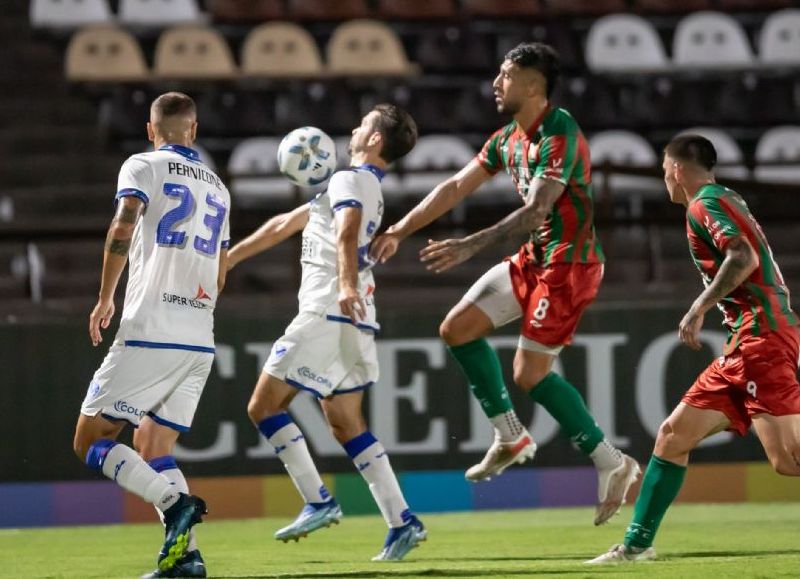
(254,172)
(779,39)
(730,160)
(68,13)
(779,145)
(624,43)
(711,40)
(434,159)
(158,12)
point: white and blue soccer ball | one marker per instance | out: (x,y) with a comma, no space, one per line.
(307,156)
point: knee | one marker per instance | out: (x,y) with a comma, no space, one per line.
(259,410)
(786,462)
(671,443)
(345,431)
(449,332)
(529,379)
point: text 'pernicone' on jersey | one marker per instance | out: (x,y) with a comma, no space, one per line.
(715,217)
(319,289)
(174,256)
(552,148)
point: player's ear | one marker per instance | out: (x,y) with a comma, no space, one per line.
(375,140)
(193,131)
(151,134)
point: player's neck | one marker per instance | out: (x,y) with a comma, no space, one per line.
(159,142)
(693,188)
(365,158)
(531,112)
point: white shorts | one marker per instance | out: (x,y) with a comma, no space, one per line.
(164,384)
(494,295)
(324,357)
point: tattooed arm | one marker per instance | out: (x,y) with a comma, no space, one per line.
(740,261)
(442,255)
(115,256)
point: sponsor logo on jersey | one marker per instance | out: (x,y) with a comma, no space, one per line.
(125,408)
(94,390)
(306,372)
(201,293)
(186,302)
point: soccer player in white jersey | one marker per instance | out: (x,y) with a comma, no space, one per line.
(172,226)
(329,348)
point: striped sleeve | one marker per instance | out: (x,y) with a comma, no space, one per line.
(344,191)
(489,157)
(557,157)
(714,221)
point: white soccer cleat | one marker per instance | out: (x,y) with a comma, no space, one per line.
(612,486)
(501,455)
(622,554)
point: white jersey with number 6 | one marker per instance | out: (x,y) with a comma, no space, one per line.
(174,254)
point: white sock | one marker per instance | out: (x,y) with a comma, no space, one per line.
(129,470)
(507,425)
(175,476)
(606,456)
(290,446)
(373,464)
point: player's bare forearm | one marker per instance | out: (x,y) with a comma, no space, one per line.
(348,222)
(740,261)
(118,243)
(441,199)
(525,219)
(271,233)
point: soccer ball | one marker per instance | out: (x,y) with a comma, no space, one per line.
(307,156)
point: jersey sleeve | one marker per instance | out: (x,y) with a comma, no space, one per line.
(714,221)
(489,157)
(557,157)
(135,179)
(344,191)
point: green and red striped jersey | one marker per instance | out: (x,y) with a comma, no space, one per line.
(552,148)
(761,304)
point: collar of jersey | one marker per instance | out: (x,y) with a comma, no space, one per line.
(377,171)
(187,152)
(531,132)
(707,190)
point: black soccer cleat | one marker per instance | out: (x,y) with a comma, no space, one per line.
(179,520)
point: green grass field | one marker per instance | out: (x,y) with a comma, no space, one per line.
(737,540)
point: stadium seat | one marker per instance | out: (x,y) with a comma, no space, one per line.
(193,52)
(255,176)
(68,13)
(104,54)
(280,49)
(245,11)
(730,160)
(577,7)
(434,159)
(711,40)
(158,12)
(415,9)
(624,43)
(627,149)
(672,6)
(367,47)
(779,145)
(779,39)
(327,10)
(501,8)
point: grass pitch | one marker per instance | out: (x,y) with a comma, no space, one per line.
(709,541)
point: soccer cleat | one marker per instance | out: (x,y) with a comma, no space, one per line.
(190,565)
(313,516)
(612,486)
(401,540)
(179,520)
(622,554)
(501,455)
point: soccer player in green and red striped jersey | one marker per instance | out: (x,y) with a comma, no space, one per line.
(754,382)
(547,284)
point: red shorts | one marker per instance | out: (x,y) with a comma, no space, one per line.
(760,376)
(553,298)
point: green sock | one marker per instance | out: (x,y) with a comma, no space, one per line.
(661,483)
(481,366)
(564,403)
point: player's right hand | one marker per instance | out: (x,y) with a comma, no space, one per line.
(100,318)
(383,247)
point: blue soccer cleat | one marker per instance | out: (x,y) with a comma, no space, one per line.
(190,565)
(313,516)
(401,540)
(179,520)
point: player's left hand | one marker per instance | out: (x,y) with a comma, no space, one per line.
(689,329)
(100,318)
(352,305)
(442,255)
